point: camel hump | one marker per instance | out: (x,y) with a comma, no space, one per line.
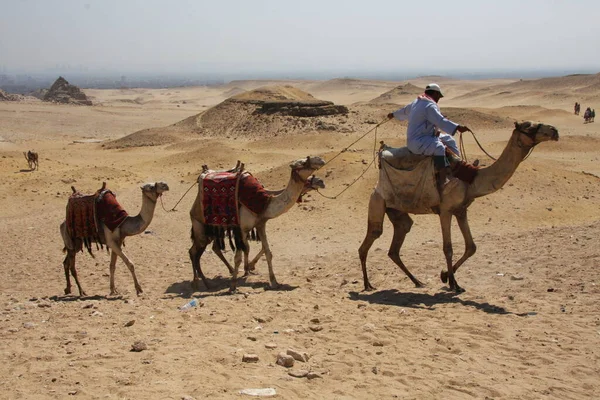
(401,157)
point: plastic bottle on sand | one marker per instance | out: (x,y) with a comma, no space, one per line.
(192,303)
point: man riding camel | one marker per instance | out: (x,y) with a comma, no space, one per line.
(424,125)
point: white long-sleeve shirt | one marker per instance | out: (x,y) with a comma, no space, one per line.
(423,117)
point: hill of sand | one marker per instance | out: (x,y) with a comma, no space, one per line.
(264,112)
(559,92)
(527,326)
(399,94)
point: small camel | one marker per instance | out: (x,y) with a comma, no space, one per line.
(457,196)
(281,202)
(312,183)
(114,239)
(32,159)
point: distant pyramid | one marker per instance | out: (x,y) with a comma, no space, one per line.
(62,91)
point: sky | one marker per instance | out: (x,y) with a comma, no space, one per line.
(300,37)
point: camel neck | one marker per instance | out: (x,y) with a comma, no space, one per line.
(285,200)
(494,177)
(139,223)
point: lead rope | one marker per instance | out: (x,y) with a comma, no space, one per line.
(365,170)
(464,154)
(173,209)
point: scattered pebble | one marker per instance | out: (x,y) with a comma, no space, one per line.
(313,375)
(29,325)
(130,323)
(186,397)
(284,360)
(271,346)
(250,358)
(139,346)
(298,355)
(298,373)
(316,328)
(266,392)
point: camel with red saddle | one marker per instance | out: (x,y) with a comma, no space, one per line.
(457,195)
(203,232)
(102,232)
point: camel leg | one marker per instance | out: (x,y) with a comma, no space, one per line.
(116,249)
(252,264)
(113,267)
(67,267)
(199,243)
(237,261)
(470,246)
(74,273)
(219,253)
(402,224)
(262,231)
(446,222)
(374,231)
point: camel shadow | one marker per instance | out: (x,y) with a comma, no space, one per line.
(70,297)
(24,170)
(423,300)
(185,290)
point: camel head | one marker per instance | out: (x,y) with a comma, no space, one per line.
(314,183)
(531,134)
(304,167)
(154,190)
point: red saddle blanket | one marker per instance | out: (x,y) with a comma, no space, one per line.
(223,192)
(84,212)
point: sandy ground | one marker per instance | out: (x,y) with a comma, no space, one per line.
(528,326)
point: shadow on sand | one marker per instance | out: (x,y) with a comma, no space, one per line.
(423,300)
(184,289)
(71,297)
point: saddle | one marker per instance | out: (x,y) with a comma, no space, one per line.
(85,213)
(407,181)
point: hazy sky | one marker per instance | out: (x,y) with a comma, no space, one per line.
(308,35)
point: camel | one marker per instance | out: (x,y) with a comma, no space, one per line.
(32,159)
(312,183)
(281,202)
(456,196)
(114,239)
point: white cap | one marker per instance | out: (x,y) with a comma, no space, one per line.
(435,87)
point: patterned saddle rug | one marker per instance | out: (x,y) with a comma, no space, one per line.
(223,192)
(86,212)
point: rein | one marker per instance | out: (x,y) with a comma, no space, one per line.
(365,170)
(464,153)
(179,201)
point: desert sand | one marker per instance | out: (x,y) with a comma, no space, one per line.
(527,327)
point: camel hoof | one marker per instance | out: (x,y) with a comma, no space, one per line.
(419,284)
(68,290)
(369,288)
(444,276)
(458,289)
(232,291)
(82,294)
(115,292)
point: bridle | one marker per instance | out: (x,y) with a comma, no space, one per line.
(307,165)
(531,134)
(155,190)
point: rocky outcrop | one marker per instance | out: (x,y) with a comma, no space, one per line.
(63,92)
(9,97)
(302,108)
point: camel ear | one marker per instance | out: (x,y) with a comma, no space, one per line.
(517,125)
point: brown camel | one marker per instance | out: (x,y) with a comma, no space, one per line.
(114,239)
(32,159)
(312,183)
(281,202)
(457,196)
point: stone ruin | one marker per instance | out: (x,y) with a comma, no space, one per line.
(63,92)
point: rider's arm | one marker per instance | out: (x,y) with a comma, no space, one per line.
(402,113)
(435,117)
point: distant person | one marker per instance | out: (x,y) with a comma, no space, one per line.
(593,114)
(575,109)
(587,115)
(424,125)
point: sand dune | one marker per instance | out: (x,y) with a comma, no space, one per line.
(525,328)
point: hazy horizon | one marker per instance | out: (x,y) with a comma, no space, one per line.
(271,38)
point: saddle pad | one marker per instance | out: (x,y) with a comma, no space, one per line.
(413,191)
(219,198)
(81,219)
(253,194)
(109,211)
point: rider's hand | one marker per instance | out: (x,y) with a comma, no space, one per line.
(390,115)
(463,129)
